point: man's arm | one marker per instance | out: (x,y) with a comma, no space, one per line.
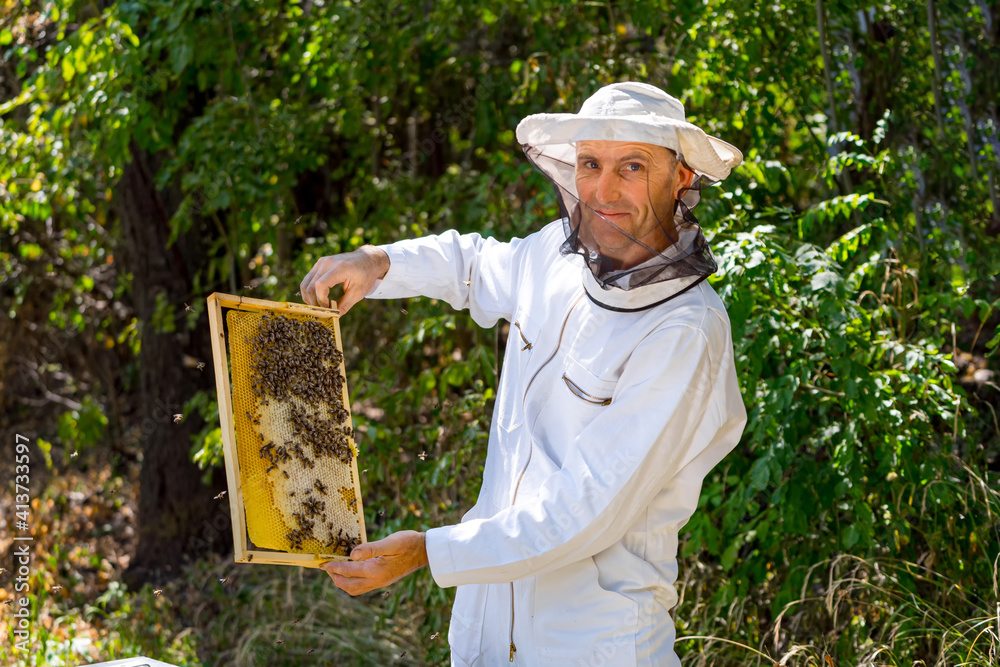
(465,270)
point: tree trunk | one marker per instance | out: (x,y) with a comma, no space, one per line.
(177,514)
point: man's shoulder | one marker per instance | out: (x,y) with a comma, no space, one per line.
(551,235)
(698,308)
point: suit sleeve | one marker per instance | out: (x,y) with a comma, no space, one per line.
(464,270)
(663,417)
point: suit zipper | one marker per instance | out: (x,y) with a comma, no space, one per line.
(582,395)
(524,399)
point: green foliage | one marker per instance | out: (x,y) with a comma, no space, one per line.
(206,448)
(83,428)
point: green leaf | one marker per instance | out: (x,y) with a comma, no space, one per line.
(6,37)
(825,280)
(850,536)
(180,56)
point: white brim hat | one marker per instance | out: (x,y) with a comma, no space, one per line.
(639,112)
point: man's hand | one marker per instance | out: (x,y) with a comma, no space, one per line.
(357,271)
(378,564)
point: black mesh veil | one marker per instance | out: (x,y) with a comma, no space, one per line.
(687,259)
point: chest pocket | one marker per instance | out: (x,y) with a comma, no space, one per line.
(584,385)
(577,396)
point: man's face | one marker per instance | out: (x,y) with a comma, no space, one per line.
(631,187)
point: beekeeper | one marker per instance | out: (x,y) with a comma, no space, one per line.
(618,392)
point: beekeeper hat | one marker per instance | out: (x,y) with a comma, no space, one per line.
(633,111)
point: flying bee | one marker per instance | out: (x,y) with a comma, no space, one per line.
(157,591)
(310,651)
(8,602)
(422,456)
(74,454)
(296,621)
(178,418)
(434,636)
(56,589)
(279,642)
(223,580)
(188,309)
(221,495)
(385,594)
(201,365)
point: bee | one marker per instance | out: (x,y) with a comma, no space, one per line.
(381,512)
(320,487)
(296,621)
(250,558)
(188,309)
(422,456)
(402,655)
(223,580)
(249,287)
(310,651)
(385,594)
(221,495)
(201,365)
(353,502)
(222,334)
(279,642)
(56,589)
(434,636)
(157,591)
(404,311)
(285,473)
(2,570)
(8,602)
(468,282)
(178,418)
(74,454)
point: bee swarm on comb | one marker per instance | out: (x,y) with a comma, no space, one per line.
(288,388)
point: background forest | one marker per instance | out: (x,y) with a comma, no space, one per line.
(155,151)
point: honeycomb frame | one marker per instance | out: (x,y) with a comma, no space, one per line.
(243,461)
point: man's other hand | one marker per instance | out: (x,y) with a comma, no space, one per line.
(378,564)
(357,271)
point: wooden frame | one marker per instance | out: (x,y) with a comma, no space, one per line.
(243,551)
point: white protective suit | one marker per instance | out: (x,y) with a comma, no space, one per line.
(613,406)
